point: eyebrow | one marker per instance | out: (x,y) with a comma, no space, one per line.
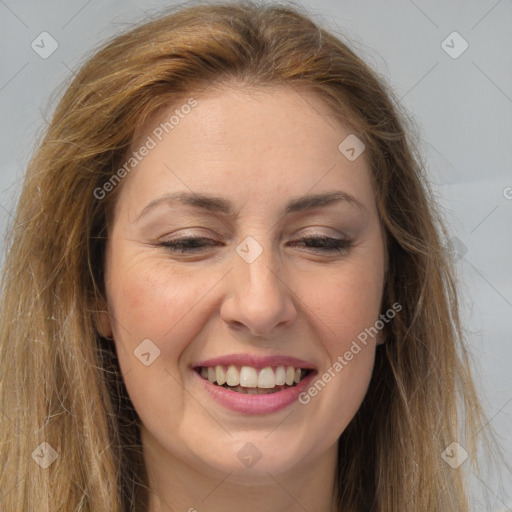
(219,205)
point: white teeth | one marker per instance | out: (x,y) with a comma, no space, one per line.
(266,378)
(251,378)
(290,375)
(280,376)
(220,376)
(232,376)
(248,377)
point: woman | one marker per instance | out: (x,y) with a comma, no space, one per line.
(226,287)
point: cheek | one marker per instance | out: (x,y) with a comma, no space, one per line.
(344,303)
(151,302)
(344,310)
(344,307)
(147,294)
(349,308)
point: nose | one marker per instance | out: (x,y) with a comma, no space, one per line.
(258,299)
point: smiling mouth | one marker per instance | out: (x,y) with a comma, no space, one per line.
(253,381)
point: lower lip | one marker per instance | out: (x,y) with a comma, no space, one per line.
(256,404)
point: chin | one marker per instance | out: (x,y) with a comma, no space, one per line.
(251,462)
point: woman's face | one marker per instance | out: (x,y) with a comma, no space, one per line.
(245,246)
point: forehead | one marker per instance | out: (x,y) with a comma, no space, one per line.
(245,142)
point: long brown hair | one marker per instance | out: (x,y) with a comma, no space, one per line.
(61,383)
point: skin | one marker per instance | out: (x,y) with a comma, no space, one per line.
(258,149)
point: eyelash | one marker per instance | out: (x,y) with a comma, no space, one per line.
(190,244)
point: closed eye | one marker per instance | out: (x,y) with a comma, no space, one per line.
(324,244)
(319,244)
(189,244)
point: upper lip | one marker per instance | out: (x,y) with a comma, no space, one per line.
(255,361)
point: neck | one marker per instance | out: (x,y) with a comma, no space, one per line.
(178,486)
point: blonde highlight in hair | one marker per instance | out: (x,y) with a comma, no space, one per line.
(61,383)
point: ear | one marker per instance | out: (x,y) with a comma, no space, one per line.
(381,339)
(383,334)
(103,324)
(102,321)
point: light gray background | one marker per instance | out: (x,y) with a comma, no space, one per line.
(463,107)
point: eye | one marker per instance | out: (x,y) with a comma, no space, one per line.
(189,244)
(324,244)
(320,244)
